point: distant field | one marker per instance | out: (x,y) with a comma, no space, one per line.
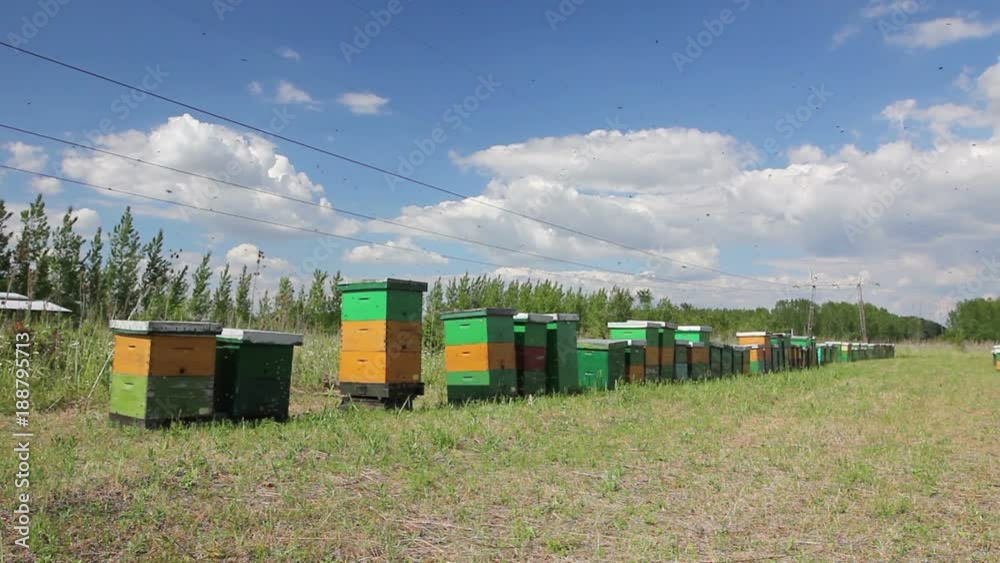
(889,459)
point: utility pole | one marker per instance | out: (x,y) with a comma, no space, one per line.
(812,304)
(861,310)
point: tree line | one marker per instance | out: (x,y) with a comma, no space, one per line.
(976,320)
(118,275)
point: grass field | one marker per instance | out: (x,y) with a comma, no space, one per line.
(881,460)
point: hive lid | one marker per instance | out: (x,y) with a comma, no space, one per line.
(692,344)
(636,342)
(752,334)
(600,344)
(473,313)
(634,324)
(165,327)
(555,317)
(261,337)
(694,328)
(531,318)
(716,345)
(996,349)
(388,283)
(659,324)
(747,347)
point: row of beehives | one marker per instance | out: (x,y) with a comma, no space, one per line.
(166,371)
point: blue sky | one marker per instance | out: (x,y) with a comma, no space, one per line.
(590,122)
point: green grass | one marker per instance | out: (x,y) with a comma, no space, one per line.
(880,460)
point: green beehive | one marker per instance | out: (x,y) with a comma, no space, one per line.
(668,350)
(996,357)
(780,346)
(480,354)
(727,360)
(648,332)
(635,361)
(602,363)
(699,360)
(383,300)
(530,342)
(681,360)
(561,372)
(162,372)
(253,373)
(715,359)
(694,333)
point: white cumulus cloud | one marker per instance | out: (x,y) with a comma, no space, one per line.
(363,103)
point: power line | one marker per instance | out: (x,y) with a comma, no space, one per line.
(385,171)
(349,213)
(325,233)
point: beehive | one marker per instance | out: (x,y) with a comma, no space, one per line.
(253,373)
(162,372)
(699,360)
(755,363)
(750,338)
(649,333)
(635,361)
(845,352)
(715,359)
(561,371)
(530,338)
(694,333)
(727,360)
(479,355)
(780,347)
(806,355)
(745,357)
(682,353)
(381,337)
(602,363)
(668,350)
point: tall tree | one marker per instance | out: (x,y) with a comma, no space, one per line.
(222,300)
(93,291)
(67,264)
(6,252)
(244,302)
(155,276)
(122,273)
(201,300)
(316,303)
(284,302)
(31,251)
(176,294)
